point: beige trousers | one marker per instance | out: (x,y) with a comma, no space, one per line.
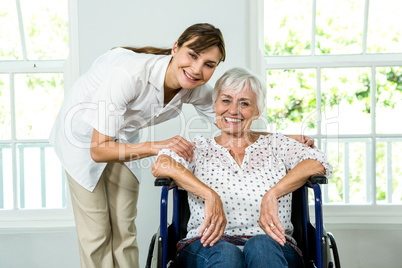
(105,219)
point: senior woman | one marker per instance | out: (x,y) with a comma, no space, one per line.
(253,176)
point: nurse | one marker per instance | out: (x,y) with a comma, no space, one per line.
(96,133)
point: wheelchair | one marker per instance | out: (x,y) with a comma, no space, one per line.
(318,246)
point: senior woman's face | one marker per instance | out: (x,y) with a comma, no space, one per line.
(235,111)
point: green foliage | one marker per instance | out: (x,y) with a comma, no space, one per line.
(394,76)
(293,104)
(300,101)
(292,46)
(294,107)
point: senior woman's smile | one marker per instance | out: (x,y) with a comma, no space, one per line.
(232,120)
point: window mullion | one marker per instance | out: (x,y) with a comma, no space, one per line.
(40,66)
(43,175)
(13,141)
(319,124)
(373,159)
(370,199)
(313,26)
(22,32)
(21,158)
(365,27)
(346,184)
(332,61)
(318,104)
(389,172)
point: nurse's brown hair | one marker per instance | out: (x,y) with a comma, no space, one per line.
(205,36)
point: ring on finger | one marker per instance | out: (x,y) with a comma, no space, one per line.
(272,225)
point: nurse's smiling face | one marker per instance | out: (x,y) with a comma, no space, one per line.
(189,69)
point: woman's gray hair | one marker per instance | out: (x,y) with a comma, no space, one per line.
(239,79)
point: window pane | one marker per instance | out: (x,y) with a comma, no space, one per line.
(10,48)
(339,27)
(6,177)
(389,171)
(384,27)
(55,180)
(46,28)
(347,92)
(5,110)
(389,96)
(291,102)
(40,177)
(358,177)
(335,153)
(350,179)
(397,172)
(381,170)
(287,27)
(29,177)
(38,98)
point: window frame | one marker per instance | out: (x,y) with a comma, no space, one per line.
(31,220)
(337,215)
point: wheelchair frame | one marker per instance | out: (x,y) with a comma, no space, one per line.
(319,258)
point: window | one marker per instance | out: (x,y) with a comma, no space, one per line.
(322,60)
(35,46)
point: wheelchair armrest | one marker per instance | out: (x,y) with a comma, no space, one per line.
(164,181)
(318,179)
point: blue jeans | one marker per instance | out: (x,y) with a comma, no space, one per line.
(259,251)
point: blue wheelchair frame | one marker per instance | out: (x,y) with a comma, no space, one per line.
(320,257)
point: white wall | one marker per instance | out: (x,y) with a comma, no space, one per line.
(104,24)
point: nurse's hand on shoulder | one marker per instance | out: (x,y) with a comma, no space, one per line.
(307,141)
(179,145)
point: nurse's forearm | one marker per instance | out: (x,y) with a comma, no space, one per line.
(111,151)
(167,166)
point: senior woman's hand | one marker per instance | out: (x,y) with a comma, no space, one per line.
(214,216)
(215,220)
(269,220)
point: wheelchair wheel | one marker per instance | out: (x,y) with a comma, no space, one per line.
(334,250)
(151,251)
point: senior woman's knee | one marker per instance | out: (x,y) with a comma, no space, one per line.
(261,244)
(226,255)
(222,254)
(263,251)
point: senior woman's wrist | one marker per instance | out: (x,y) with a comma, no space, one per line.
(208,194)
(273,193)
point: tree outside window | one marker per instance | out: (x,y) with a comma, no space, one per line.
(346,90)
(34,47)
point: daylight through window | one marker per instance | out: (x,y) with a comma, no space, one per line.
(34,48)
(334,72)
